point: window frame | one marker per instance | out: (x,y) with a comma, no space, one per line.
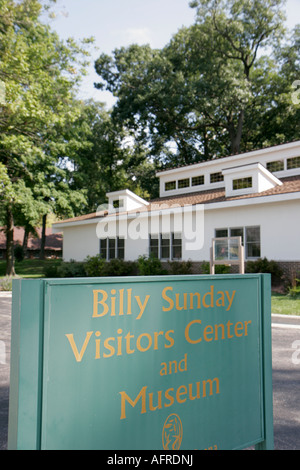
(112,244)
(166,244)
(173,183)
(242,183)
(245,238)
(290,160)
(218,176)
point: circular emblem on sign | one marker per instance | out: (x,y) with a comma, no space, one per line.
(172,433)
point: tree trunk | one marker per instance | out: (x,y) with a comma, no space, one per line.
(236,134)
(25,241)
(10,262)
(43,239)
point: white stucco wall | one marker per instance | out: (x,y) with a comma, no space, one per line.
(279,223)
(79,242)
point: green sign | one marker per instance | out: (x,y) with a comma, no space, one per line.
(145,363)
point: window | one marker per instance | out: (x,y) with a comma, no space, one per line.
(221,233)
(252,235)
(121,248)
(293,163)
(250,238)
(242,183)
(165,246)
(103,248)
(185,183)
(170,185)
(237,232)
(275,166)
(111,248)
(216,177)
(176,246)
(197,180)
(118,203)
(154,245)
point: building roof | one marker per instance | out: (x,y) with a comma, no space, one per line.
(256,152)
(54,241)
(289,185)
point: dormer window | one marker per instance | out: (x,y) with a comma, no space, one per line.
(170,185)
(275,166)
(216,177)
(242,183)
(118,203)
(124,201)
(198,180)
(293,163)
(185,183)
(248,179)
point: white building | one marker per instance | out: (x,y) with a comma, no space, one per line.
(254,195)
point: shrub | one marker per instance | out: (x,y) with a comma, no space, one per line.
(70,269)
(294,289)
(51,270)
(150,266)
(119,267)
(263,265)
(94,266)
(6,283)
(180,267)
(219,268)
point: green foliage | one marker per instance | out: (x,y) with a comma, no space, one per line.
(6,283)
(50,270)
(294,289)
(39,73)
(96,266)
(118,267)
(65,269)
(180,267)
(71,269)
(263,265)
(219,268)
(150,266)
(211,91)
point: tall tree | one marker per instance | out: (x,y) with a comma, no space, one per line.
(238,30)
(108,162)
(39,73)
(196,98)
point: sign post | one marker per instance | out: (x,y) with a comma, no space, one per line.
(142,363)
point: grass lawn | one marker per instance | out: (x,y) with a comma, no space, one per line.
(34,269)
(285,305)
(29,268)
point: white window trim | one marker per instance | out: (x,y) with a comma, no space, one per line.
(170,238)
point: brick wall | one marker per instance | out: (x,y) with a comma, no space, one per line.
(291,269)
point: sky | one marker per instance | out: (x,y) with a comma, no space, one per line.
(116,23)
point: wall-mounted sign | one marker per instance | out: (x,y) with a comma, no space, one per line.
(145,363)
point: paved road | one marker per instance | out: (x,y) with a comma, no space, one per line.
(286,377)
(286,382)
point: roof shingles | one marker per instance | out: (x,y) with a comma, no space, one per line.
(289,185)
